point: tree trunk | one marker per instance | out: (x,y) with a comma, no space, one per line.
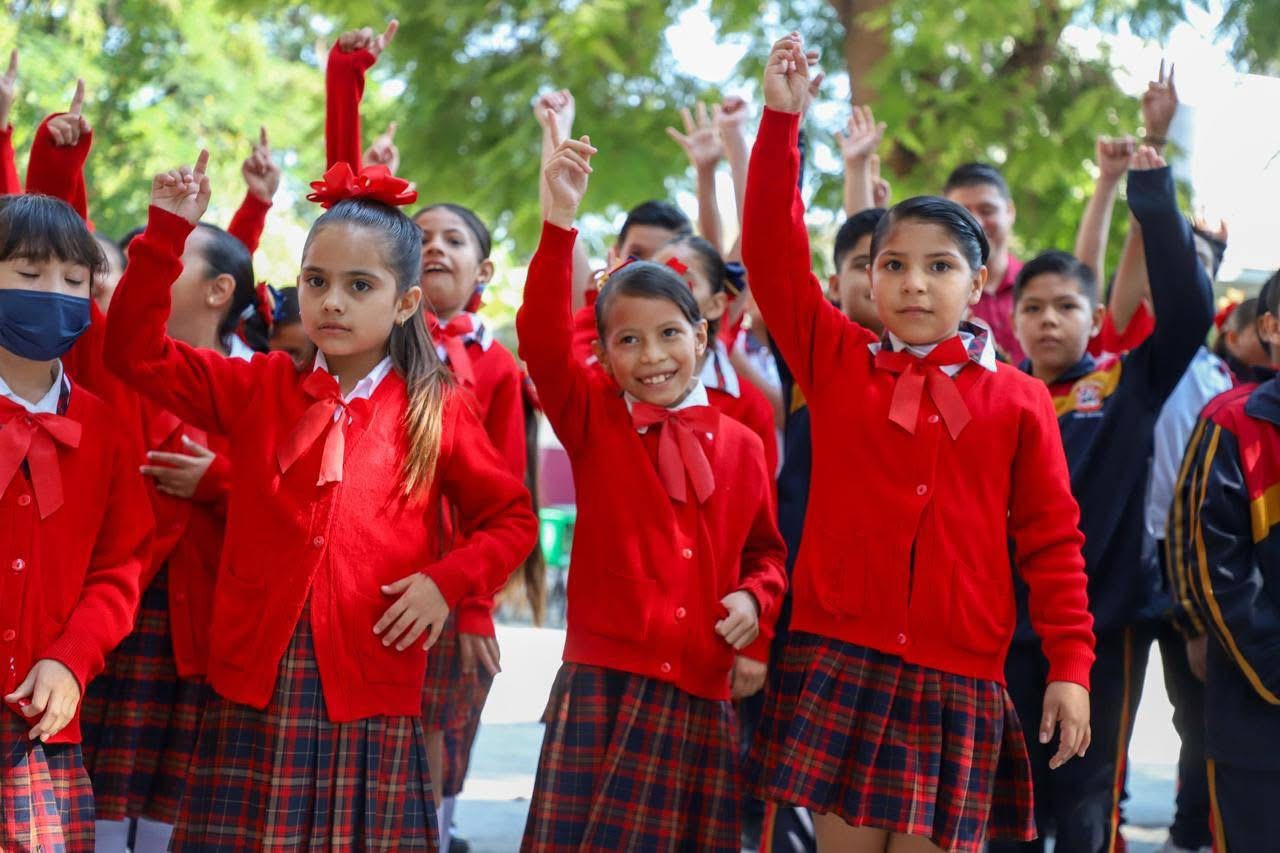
(863,47)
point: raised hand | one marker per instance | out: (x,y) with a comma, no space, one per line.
(565,177)
(786,76)
(67,128)
(185,191)
(1218,232)
(730,118)
(881,190)
(1114,156)
(383,151)
(1159,103)
(556,110)
(862,135)
(260,172)
(1147,157)
(366,39)
(700,141)
(8,89)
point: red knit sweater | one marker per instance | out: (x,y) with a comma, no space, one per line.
(906,540)
(69,582)
(59,170)
(289,540)
(9,182)
(648,572)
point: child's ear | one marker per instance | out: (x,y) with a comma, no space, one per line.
(408,304)
(700,336)
(719,305)
(602,356)
(484,275)
(833,288)
(979,282)
(220,290)
(1099,311)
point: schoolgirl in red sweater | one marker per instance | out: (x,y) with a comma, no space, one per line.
(75,529)
(329,591)
(677,562)
(890,721)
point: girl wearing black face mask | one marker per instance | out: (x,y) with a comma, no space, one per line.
(74,526)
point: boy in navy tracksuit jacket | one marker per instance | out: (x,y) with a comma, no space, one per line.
(1107,413)
(1229,569)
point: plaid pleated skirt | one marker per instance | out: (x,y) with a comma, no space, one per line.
(632,763)
(460,736)
(286,778)
(883,743)
(444,688)
(46,801)
(139,719)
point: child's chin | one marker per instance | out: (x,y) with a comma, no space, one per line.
(662,396)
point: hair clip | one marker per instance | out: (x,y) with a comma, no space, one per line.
(372,182)
(681,269)
(737,283)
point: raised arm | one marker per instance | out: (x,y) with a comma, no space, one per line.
(857,148)
(701,144)
(731,122)
(353,54)
(261,179)
(9,182)
(58,154)
(555,112)
(1113,157)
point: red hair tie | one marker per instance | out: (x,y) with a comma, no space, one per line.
(372,182)
(1220,319)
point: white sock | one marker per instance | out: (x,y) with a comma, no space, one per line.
(153,836)
(111,836)
(444,815)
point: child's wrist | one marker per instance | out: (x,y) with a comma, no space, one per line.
(562,216)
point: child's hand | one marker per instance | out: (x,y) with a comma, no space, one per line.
(1146,158)
(1218,232)
(730,118)
(178,474)
(260,172)
(555,112)
(67,128)
(1114,156)
(881,190)
(1066,705)
(420,608)
(183,192)
(786,76)
(383,151)
(52,691)
(862,137)
(747,677)
(1159,103)
(565,176)
(367,39)
(741,627)
(8,89)
(476,647)
(700,141)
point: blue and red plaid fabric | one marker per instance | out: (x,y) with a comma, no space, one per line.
(633,763)
(286,778)
(139,719)
(46,801)
(460,736)
(888,744)
(443,691)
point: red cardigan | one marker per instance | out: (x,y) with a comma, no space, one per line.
(648,572)
(69,582)
(906,541)
(59,170)
(9,182)
(288,540)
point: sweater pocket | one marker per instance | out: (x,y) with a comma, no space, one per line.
(623,612)
(841,581)
(980,612)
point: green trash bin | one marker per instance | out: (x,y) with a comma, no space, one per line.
(557,533)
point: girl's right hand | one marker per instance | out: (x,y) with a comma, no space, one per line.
(565,176)
(1066,705)
(420,609)
(367,39)
(183,192)
(786,77)
(67,128)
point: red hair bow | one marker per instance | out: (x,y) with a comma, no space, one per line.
(1220,319)
(372,182)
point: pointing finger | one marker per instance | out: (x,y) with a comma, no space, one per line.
(77,100)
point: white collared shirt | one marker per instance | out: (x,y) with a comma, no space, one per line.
(479,334)
(365,387)
(717,371)
(237,348)
(696,397)
(46,405)
(987,360)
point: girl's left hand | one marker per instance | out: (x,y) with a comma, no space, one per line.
(183,192)
(747,677)
(67,128)
(367,39)
(741,627)
(52,690)
(178,474)
(383,151)
(1066,705)
(481,648)
(420,608)
(1146,158)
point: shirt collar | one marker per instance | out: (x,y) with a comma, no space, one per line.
(46,405)
(717,371)
(974,334)
(237,348)
(696,397)
(363,389)
(1264,402)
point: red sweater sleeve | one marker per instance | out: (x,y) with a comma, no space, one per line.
(809,331)
(200,386)
(544,326)
(59,170)
(9,183)
(104,614)
(1044,522)
(344,89)
(495,514)
(763,567)
(249,220)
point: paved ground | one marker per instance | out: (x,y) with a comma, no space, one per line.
(492,809)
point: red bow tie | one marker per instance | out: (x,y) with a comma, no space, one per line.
(35,438)
(453,337)
(679,449)
(904,408)
(316,421)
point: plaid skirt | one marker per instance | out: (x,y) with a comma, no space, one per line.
(633,763)
(139,719)
(46,801)
(460,736)
(443,691)
(286,778)
(883,743)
